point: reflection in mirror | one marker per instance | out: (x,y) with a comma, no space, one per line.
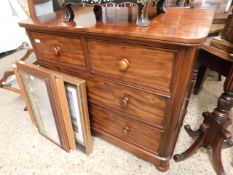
(43,7)
(114,13)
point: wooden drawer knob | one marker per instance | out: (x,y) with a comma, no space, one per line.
(123,65)
(124,102)
(126,130)
(56,50)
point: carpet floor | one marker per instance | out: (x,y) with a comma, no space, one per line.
(23,151)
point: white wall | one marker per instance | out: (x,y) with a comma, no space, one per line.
(11,35)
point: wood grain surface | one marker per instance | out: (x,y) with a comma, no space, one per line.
(178,25)
(148,66)
(126,129)
(138,79)
(54,47)
(143,106)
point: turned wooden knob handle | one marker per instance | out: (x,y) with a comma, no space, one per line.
(124,102)
(123,65)
(126,130)
(56,50)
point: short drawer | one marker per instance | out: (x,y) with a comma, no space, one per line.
(59,48)
(132,63)
(126,129)
(138,104)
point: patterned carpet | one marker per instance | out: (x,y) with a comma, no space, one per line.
(23,151)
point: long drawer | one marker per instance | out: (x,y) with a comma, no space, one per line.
(126,129)
(148,66)
(61,49)
(140,105)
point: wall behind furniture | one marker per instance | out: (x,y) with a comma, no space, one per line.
(24,4)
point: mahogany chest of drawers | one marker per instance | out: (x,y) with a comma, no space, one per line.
(138,78)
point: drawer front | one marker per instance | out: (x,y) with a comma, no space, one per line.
(135,64)
(140,105)
(59,48)
(128,130)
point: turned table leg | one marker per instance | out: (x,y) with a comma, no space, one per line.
(213,132)
(217,158)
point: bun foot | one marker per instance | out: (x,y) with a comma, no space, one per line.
(162,168)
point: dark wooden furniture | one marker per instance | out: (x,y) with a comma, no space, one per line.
(213,58)
(138,78)
(215,55)
(213,132)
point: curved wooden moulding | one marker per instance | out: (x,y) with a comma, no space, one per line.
(142,17)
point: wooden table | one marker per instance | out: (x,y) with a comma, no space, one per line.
(216,29)
(213,132)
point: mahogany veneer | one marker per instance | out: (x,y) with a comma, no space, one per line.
(139,79)
(150,109)
(56,48)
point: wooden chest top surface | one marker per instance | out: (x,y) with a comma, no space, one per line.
(181,26)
